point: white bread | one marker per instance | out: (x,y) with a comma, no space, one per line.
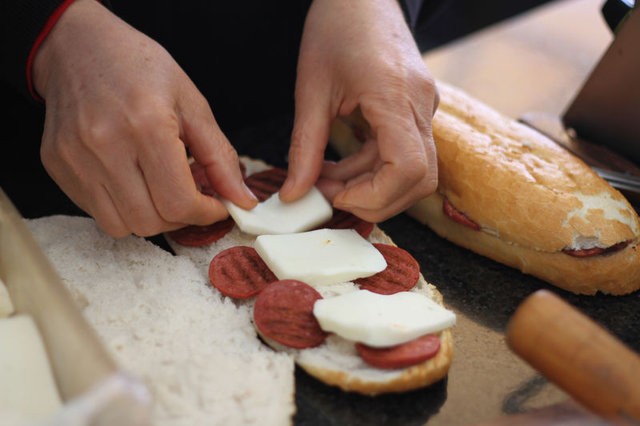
(530,198)
(160,319)
(336,362)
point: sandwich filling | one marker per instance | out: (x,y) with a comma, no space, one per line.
(581,247)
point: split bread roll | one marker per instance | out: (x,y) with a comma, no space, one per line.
(336,361)
(157,315)
(509,193)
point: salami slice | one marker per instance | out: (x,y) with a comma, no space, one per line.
(267,182)
(239,272)
(596,251)
(400,356)
(196,236)
(401,274)
(345,220)
(283,312)
(458,216)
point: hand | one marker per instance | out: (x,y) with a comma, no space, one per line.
(119,113)
(354,54)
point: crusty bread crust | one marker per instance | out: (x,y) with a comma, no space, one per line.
(415,377)
(531,198)
(616,273)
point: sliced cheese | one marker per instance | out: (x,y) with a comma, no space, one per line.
(272,216)
(382,320)
(27,386)
(320,257)
(6,306)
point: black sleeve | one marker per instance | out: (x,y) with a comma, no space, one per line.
(411,9)
(21,21)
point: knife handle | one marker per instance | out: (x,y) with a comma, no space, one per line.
(578,355)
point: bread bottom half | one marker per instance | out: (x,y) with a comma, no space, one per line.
(336,362)
(616,273)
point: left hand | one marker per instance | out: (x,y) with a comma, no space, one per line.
(353,54)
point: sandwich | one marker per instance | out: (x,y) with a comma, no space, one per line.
(311,276)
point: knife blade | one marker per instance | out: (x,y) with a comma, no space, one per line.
(621,173)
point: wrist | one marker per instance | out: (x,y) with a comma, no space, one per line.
(42,52)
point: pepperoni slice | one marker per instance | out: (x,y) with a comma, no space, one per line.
(596,251)
(284,312)
(196,236)
(267,182)
(345,220)
(400,356)
(457,215)
(401,274)
(239,272)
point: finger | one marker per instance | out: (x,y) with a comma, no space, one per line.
(211,148)
(133,187)
(364,160)
(165,172)
(403,176)
(308,141)
(106,215)
(78,174)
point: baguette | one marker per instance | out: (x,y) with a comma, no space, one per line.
(510,194)
(336,362)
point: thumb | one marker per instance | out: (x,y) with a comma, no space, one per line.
(309,139)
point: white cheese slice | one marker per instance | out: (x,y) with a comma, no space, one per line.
(320,257)
(6,307)
(27,386)
(382,320)
(272,216)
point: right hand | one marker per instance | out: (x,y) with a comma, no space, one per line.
(119,113)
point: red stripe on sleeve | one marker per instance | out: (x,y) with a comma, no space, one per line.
(43,34)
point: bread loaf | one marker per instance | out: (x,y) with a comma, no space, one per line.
(509,193)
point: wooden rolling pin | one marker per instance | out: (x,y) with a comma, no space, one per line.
(578,355)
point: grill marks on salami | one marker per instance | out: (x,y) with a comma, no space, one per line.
(239,272)
(283,312)
(401,274)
